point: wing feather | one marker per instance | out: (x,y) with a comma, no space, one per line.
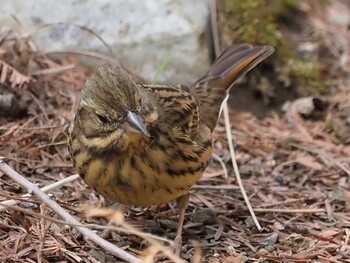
(180,106)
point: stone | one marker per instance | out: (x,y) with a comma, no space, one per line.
(141,34)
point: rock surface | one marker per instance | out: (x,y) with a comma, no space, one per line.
(141,34)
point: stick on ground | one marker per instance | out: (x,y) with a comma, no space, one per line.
(32,188)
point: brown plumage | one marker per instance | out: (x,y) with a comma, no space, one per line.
(148,144)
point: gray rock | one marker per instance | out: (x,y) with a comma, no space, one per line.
(140,33)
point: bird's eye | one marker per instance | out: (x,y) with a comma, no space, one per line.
(102,119)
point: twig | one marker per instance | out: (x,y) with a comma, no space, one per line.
(96,55)
(289,211)
(298,122)
(4,35)
(219,159)
(44,189)
(6,169)
(105,58)
(167,252)
(215,187)
(286,202)
(54,70)
(76,26)
(91,226)
(235,166)
(342,166)
(227,118)
(40,105)
(323,154)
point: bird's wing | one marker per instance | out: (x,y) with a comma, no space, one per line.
(178,106)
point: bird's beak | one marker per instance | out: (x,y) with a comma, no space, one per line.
(135,124)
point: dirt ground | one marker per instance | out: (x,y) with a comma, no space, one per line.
(294,166)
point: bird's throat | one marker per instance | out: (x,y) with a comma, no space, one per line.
(135,143)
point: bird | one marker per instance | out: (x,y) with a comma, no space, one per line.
(146,144)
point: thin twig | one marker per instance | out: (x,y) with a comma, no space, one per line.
(342,166)
(125,227)
(44,189)
(96,55)
(76,26)
(323,154)
(87,53)
(91,226)
(223,165)
(6,169)
(215,187)
(224,106)
(54,70)
(4,35)
(289,211)
(167,252)
(235,166)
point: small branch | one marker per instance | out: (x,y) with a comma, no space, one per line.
(167,252)
(235,166)
(342,166)
(116,251)
(117,217)
(44,189)
(289,211)
(54,70)
(219,159)
(91,226)
(215,187)
(324,155)
(215,32)
(83,28)
(96,55)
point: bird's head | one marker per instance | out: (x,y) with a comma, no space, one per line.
(114,112)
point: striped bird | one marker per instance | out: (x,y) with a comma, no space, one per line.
(145,145)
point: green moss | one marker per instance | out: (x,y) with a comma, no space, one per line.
(256,22)
(253,21)
(280,8)
(308,73)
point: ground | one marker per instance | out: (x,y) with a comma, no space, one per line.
(294,166)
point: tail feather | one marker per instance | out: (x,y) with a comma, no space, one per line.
(214,86)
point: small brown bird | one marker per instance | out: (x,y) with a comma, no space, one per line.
(145,145)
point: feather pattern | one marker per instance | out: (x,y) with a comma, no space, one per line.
(161,164)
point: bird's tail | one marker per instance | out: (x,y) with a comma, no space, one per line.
(214,86)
